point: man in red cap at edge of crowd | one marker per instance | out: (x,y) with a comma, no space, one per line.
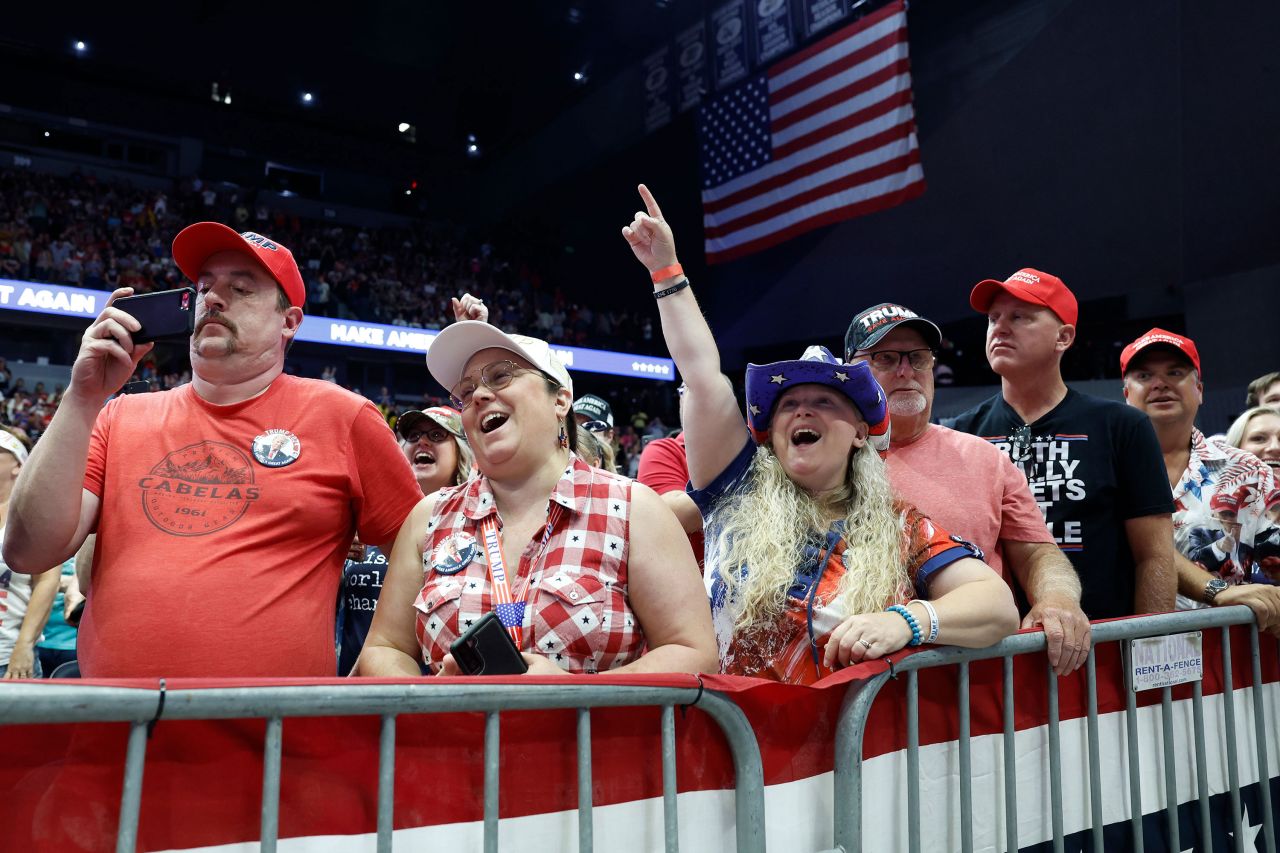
(1219,492)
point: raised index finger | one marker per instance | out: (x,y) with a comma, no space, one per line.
(650,203)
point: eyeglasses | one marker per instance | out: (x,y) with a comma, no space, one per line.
(495,376)
(1020,451)
(435,435)
(889,359)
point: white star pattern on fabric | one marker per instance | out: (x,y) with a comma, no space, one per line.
(842,376)
(755,410)
(778,379)
(735,133)
(1247,830)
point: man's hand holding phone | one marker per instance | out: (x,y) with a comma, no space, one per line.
(122,335)
(108,356)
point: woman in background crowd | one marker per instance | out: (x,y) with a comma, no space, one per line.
(433,442)
(811,562)
(26,599)
(588,571)
(1258,432)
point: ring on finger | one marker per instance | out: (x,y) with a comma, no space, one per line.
(864,642)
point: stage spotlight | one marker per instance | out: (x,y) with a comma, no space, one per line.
(404,126)
(80,46)
(473,146)
(226,99)
(46,134)
(308,98)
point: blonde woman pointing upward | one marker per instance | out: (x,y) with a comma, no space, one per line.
(812,563)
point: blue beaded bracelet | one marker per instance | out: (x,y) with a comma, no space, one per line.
(916,637)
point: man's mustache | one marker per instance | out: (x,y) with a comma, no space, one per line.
(215,316)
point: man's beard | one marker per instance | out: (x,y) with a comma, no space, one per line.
(907,403)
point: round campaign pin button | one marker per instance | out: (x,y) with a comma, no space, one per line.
(277,448)
(454,554)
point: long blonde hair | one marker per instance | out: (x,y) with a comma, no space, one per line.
(764,529)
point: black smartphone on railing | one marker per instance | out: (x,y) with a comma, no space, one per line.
(167,314)
(486,648)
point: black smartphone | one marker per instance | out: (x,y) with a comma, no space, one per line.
(487,649)
(167,314)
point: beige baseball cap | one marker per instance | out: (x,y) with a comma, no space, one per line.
(452,348)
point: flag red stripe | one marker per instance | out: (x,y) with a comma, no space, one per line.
(830,217)
(831,99)
(844,182)
(897,99)
(826,72)
(836,37)
(817,164)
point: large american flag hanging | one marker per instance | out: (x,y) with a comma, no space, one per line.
(822,136)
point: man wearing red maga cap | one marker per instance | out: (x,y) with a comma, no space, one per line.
(223,508)
(1093,466)
(1219,492)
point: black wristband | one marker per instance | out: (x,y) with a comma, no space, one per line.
(675,288)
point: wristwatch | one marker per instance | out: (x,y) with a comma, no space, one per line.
(1212,588)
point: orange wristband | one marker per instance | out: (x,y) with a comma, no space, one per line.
(666,272)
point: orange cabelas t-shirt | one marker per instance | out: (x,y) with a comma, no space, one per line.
(223,529)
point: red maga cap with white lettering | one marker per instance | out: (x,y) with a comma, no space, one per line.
(1029,285)
(196,243)
(1159,337)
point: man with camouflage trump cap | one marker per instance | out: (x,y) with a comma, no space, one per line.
(223,508)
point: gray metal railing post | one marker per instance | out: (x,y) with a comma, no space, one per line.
(1260,730)
(913,762)
(670,802)
(854,713)
(271,754)
(1202,766)
(1010,746)
(1229,715)
(386,782)
(1135,766)
(131,798)
(492,776)
(966,762)
(747,767)
(1170,770)
(1055,759)
(1097,820)
(586,839)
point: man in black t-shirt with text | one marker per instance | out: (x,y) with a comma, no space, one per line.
(1094,466)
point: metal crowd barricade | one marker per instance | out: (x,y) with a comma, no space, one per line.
(74,704)
(858,701)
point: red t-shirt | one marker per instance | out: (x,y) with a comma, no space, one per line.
(664,467)
(223,529)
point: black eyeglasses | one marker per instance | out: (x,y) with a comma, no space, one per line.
(1021,442)
(889,359)
(495,376)
(435,435)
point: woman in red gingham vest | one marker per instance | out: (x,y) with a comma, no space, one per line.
(588,571)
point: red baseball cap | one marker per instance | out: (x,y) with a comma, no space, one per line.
(195,243)
(1029,285)
(1222,501)
(1160,337)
